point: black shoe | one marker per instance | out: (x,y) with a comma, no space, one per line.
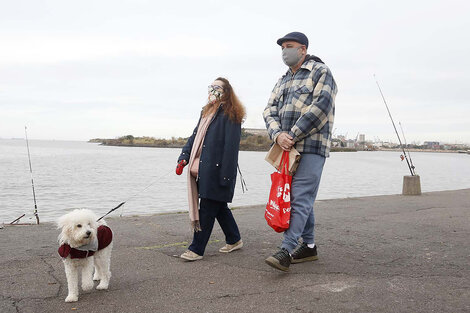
(303,254)
(279,260)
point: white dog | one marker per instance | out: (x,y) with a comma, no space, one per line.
(85,244)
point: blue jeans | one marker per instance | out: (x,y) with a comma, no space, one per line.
(209,210)
(305,183)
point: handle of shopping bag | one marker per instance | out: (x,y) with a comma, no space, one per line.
(284,162)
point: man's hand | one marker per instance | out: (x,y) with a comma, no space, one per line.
(285,141)
(180,166)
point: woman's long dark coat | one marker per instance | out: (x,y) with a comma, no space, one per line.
(219,158)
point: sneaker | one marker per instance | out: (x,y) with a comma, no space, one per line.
(229,248)
(303,254)
(280,260)
(190,256)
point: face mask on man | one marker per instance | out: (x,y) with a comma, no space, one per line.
(291,56)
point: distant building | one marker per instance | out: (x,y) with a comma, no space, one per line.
(387,144)
(256,131)
(350,144)
(432,145)
(362,138)
(455,146)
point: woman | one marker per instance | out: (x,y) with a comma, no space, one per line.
(212,155)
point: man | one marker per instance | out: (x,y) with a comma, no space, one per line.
(300,114)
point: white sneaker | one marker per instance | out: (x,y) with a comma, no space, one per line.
(229,248)
(190,256)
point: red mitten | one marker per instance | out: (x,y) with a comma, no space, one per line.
(180,166)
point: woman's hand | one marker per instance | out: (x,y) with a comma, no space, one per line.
(180,166)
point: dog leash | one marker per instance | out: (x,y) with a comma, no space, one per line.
(134,195)
(243,184)
(242,181)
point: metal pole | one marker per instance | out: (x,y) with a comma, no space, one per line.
(393,123)
(32,180)
(408,150)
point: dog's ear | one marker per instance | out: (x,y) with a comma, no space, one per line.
(66,234)
(66,227)
(62,221)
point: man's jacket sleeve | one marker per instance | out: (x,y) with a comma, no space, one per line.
(316,115)
(271,113)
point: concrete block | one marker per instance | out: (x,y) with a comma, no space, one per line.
(411,185)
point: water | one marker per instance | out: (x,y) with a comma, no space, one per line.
(83,175)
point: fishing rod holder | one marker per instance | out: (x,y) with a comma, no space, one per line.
(411,185)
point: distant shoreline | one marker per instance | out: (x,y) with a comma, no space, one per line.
(251,148)
(179,146)
(248,142)
(425,150)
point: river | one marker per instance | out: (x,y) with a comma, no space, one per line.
(73,174)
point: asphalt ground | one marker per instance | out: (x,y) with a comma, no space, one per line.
(376,254)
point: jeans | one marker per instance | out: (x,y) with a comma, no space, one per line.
(209,210)
(305,183)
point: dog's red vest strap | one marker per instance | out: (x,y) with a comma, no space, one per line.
(64,250)
(105,236)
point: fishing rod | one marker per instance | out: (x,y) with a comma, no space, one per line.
(32,181)
(17,219)
(407,149)
(393,123)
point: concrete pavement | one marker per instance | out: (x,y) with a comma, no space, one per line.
(376,254)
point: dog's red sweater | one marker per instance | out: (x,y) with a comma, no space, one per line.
(105,236)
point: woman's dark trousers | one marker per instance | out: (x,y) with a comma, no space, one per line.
(209,210)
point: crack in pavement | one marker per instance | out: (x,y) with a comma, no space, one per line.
(13,300)
(243,294)
(430,208)
(51,273)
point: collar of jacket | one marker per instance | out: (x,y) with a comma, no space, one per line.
(220,107)
(307,64)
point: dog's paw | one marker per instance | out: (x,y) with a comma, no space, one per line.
(102,286)
(71,298)
(96,277)
(87,286)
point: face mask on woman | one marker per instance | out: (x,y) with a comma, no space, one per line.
(291,56)
(215,93)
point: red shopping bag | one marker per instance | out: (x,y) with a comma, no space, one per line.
(277,212)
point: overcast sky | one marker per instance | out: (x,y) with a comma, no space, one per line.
(76,70)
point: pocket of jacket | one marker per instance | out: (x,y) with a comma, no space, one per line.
(304,89)
(303,96)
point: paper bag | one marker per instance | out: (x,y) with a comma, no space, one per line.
(275,154)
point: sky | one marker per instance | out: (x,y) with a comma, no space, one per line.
(75,70)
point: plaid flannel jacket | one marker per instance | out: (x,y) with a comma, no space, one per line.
(303,105)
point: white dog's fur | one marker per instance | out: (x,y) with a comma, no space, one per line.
(74,227)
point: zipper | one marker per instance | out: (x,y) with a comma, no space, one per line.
(289,91)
